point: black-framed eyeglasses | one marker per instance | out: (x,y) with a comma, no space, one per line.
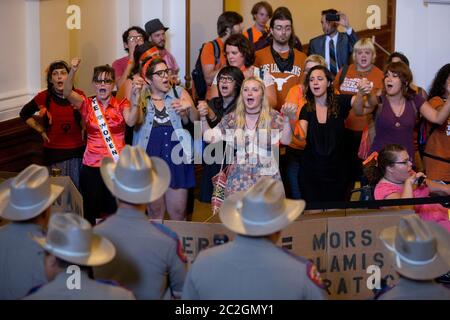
(135,38)
(104,81)
(225,79)
(162,73)
(402,162)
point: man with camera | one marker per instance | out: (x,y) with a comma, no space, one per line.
(336,47)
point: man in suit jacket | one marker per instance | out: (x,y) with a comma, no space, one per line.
(343,41)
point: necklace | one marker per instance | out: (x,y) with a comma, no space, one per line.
(156,99)
(399,113)
(254,127)
(257,112)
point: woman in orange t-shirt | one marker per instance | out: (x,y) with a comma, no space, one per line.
(364,55)
(437,151)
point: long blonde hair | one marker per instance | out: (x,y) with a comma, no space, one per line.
(264,117)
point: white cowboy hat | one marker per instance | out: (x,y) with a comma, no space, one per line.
(261,210)
(420,250)
(136,177)
(70,238)
(28,194)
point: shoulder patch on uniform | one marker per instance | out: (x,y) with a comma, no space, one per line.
(314,275)
(171,234)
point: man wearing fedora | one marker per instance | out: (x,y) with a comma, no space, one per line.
(149,256)
(71,249)
(25,202)
(420,252)
(252,267)
(157,34)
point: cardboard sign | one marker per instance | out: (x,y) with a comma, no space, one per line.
(342,245)
(70,199)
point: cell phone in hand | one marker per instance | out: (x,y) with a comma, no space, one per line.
(332,17)
(420,180)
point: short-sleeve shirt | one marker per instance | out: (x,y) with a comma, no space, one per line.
(170,60)
(350,86)
(119,66)
(438,144)
(326,139)
(387,132)
(283,80)
(96,147)
(64,132)
(256,34)
(207,58)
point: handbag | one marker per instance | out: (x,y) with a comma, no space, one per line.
(219,182)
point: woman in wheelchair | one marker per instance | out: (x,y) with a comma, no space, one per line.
(391,171)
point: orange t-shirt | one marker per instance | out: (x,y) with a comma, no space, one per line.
(350,86)
(283,80)
(207,57)
(438,144)
(295,95)
(256,34)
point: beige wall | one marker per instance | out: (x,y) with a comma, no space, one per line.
(306,14)
(54,34)
(96,41)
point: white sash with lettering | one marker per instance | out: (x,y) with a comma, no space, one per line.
(104,129)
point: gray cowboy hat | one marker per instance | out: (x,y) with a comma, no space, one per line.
(136,177)
(261,210)
(71,238)
(420,250)
(28,194)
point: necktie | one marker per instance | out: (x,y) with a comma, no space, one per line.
(333,67)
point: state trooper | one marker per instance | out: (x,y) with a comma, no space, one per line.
(71,249)
(252,266)
(150,259)
(25,202)
(420,252)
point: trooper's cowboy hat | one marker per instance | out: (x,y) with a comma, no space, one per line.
(261,210)
(153,26)
(420,250)
(28,194)
(136,177)
(71,238)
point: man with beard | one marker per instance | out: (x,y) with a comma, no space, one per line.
(338,53)
(285,64)
(157,35)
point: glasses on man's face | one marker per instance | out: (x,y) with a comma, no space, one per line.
(403,162)
(162,73)
(104,81)
(226,79)
(135,38)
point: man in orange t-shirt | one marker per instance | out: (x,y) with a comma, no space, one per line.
(229,23)
(261,13)
(283,62)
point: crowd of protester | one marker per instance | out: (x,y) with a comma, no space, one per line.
(287,127)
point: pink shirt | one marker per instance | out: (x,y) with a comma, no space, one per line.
(119,66)
(428,212)
(170,60)
(96,147)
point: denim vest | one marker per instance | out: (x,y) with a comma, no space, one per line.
(141,135)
